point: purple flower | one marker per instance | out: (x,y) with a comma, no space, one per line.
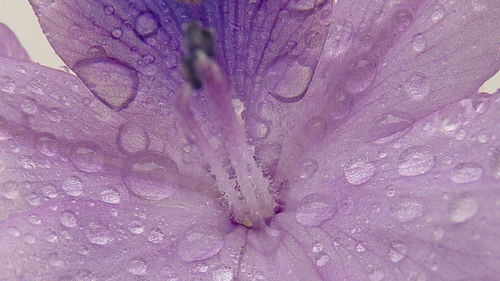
(253,140)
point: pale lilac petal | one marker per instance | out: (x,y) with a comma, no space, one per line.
(10,45)
(424,206)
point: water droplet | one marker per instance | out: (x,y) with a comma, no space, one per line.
(377,275)
(87,157)
(132,138)
(68,219)
(362,73)
(416,160)
(315,127)
(73,186)
(419,42)
(34,199)
(307,168)
(339,104)
(136,227)
(437,13)
(150,175)
(50,236)
(117,33)
(407,211)
(397,251)
(13,231)
(98,234)
(390,126)
(359,171)
(49,191)
(360,248)
(146,24)
(7,84)
(322,260)
(109,10)
(199,244)
(29,239)
(10,190)
(223,273)
(29,106)
(287,80)
(112,82)
(304,5)
(47,144)
(34,219)
(137,266)
(417,85)
(390,191)
(155,235)
(463,208)
(466,172)
(257,129)
(110,194)
(315,209)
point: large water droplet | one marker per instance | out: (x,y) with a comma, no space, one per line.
(314,209)
(47,144)
(68,219)
(10,190)
(414,161)
(98,234)
(307,168)
(132,138)
(149,175)
(146,24)
(359,171)
(87,157)
(466,172)
(137,266)
(113,82)
(397,251)
(362,73)
(287,80)
(418,42)
(199,244)
(110,194)
(390,126)
(73,186)
(407,211)
(417,85)
(463,208)
(304,5)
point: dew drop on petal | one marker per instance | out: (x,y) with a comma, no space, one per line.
(315,209)
(463,208)
(68,219)
(437,13)
(13,231)
(416,160)
(417,85)
(155,235)
(35,220)
(47,144)
(358,171)
(7,84)
(112,82)
(137,266)
(390,191)
(149,175)
(146,24)
(223,273)
(362,73)
(136,227)
(307,168)
(10,190)
(466,172)
(98,234)
(397,251)
(50,191)
(109,10)
(304,5)
(117,33)
(322,260)
(418,42)
(390,126)
(287,80)
(87,157)
(110,194)
(407,211)
(200,244)
(132,138)
(73,186)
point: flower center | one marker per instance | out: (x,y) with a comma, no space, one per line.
(219,132)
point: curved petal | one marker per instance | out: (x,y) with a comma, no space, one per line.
(10,45)
(422,207)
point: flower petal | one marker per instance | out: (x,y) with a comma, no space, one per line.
(10,45)
(424,207)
